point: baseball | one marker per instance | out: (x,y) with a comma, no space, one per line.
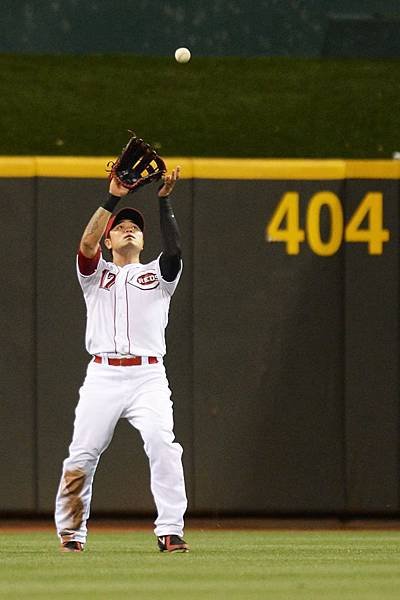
(182,55)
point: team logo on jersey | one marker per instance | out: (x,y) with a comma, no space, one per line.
(145,281)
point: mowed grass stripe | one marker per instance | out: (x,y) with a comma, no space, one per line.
(222,564)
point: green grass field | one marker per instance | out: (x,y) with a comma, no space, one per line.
(230,107)
(298,565)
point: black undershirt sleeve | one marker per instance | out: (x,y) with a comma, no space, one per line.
(170,260)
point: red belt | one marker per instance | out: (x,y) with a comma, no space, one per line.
(125,362)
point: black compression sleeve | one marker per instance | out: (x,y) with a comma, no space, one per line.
(170,260)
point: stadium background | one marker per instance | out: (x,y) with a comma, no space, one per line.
(284,368)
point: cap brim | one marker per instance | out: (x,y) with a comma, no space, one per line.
(128,213)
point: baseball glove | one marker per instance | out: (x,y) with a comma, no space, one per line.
(137,165)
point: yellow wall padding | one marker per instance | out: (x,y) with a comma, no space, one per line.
(207,168)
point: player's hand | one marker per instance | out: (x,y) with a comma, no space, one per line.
(116,189)
(169,182)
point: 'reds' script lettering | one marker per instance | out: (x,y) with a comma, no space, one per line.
(145,281)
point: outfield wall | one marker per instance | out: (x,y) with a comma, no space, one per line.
(283,337)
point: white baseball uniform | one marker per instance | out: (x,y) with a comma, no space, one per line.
(127,313)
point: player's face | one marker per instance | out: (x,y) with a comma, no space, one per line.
(126,234)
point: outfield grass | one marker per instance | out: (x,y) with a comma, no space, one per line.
(222,564)
(230,107)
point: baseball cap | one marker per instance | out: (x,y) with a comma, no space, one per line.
(125,213)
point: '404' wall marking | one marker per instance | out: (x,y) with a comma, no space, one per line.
(284,225)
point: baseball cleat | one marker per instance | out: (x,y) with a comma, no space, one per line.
(72,546)
(172,543)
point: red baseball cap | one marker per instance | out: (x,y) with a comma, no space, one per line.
(125,213)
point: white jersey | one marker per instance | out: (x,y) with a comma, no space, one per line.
(127,308)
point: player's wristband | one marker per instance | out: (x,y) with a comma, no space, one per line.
(111,202)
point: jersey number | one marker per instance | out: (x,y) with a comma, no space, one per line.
(107,279)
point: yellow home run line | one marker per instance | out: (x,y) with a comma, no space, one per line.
(207,168)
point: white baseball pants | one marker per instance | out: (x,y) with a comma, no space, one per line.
(139,393)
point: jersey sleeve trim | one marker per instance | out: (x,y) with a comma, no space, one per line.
(88,266)
(168,286)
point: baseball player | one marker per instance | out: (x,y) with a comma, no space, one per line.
(127,313)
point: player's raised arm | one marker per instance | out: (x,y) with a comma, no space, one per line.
(90,241)
(170,261)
